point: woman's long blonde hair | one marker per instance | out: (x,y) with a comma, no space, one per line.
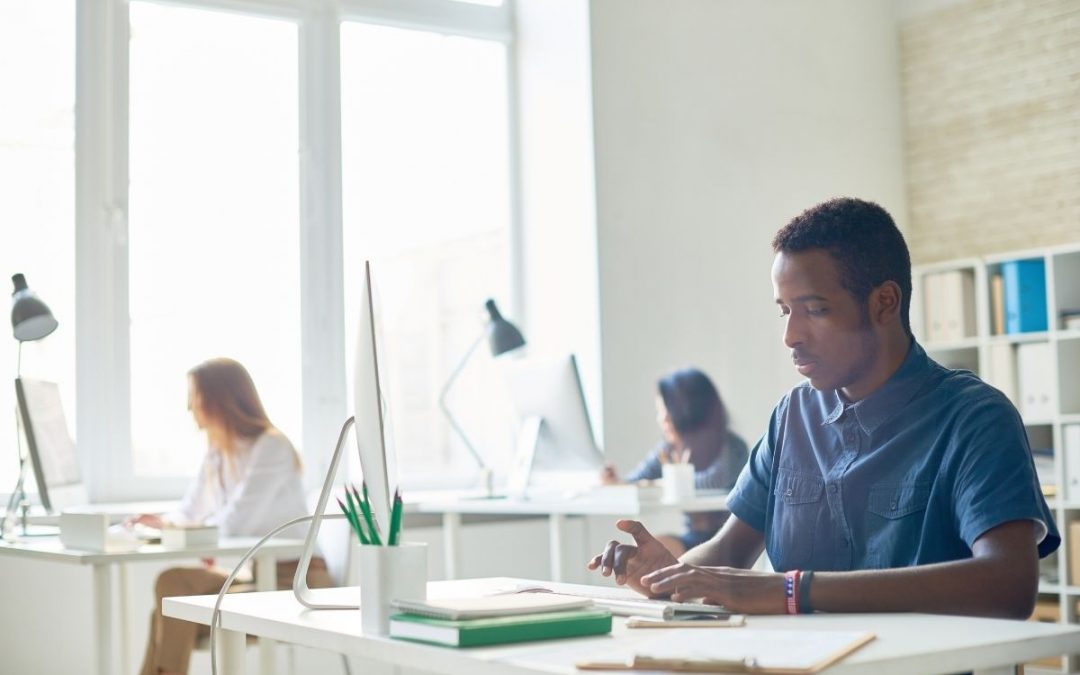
(227,395)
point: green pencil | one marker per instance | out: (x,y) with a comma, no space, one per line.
(365,507)
(395,519)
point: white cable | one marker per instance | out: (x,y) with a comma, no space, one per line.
(215,618)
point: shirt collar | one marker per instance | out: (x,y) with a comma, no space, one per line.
(889,398)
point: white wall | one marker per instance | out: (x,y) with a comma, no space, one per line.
(715,123)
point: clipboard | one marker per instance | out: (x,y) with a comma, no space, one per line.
(766,662)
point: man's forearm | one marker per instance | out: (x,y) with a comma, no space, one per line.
(735,545)
(977,587)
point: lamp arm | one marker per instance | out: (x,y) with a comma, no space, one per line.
(446,409)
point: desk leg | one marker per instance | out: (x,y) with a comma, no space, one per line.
(265,580)
(231,654)
(556,527)
(451,544)
(122,619)
(103,618)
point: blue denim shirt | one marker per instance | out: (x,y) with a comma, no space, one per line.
(913,474)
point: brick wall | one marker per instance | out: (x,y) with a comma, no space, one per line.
(992,126)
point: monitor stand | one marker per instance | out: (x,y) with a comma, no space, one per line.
(517,483)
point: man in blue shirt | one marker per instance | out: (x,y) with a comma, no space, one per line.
(890,482)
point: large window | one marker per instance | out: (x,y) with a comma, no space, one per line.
(37,190)
(426,197)
(226,170)
(214,218)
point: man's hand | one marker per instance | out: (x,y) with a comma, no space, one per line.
(744,591)
(629,562)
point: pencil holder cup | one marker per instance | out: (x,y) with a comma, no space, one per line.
(677,481)
(389,573)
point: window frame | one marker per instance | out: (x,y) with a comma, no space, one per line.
(102,345)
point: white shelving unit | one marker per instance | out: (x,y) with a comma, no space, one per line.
(976,350)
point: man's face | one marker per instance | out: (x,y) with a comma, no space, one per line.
(830,335)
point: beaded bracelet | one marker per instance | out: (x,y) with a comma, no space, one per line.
(804,592)
(791,591)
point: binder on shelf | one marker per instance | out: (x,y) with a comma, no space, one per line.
(949,299)
(1071,453)
(1001,371)
(1025,295)
(1034,366)
(997,304)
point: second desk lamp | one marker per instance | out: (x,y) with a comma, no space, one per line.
(31,320)
(502,337)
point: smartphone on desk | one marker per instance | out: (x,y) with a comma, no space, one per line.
(699,620)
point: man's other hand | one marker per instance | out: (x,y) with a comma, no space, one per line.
(630,562)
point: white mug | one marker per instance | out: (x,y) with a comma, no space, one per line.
(677,481)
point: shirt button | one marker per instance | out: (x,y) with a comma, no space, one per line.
(788,493)
(833,488)
(892,507)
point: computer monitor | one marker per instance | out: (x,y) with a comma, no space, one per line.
(51,448)
(376,455)
(369,408)
(556,445)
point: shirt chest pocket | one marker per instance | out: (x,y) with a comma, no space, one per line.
(896,501)
(797,512)
(895,523)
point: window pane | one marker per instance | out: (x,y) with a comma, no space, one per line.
(426,195)
(37,196)
(214,234)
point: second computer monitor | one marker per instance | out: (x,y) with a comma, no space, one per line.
(547,394)
(51,448)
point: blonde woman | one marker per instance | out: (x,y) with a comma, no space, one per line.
(248,484)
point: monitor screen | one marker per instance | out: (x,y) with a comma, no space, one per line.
(376,458)
(549,391)
(51,448)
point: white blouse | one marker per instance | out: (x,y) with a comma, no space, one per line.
(249,491)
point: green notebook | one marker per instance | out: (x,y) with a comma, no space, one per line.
(500,629)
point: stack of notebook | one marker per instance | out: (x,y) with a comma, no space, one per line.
(471,622)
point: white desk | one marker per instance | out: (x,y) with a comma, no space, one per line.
(51,550)
(906,644)
(616,502)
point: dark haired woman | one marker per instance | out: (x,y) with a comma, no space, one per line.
(248,484)
(694,424)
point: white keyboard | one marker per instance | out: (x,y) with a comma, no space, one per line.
(622,601)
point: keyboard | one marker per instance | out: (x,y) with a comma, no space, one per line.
(622,601)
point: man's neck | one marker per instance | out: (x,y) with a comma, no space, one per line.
(894,350)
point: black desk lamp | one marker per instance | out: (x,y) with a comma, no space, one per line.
(502,337)
(30,320)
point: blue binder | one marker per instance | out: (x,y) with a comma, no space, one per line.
(1025,295)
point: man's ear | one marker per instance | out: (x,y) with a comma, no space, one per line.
(884,303)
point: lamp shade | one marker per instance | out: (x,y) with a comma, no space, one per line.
(502,335)
(30,317)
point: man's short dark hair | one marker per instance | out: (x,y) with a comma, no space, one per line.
(863,240)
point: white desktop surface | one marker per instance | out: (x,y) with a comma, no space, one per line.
(905,644)
(615,501)
(49,549)
(580,503)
